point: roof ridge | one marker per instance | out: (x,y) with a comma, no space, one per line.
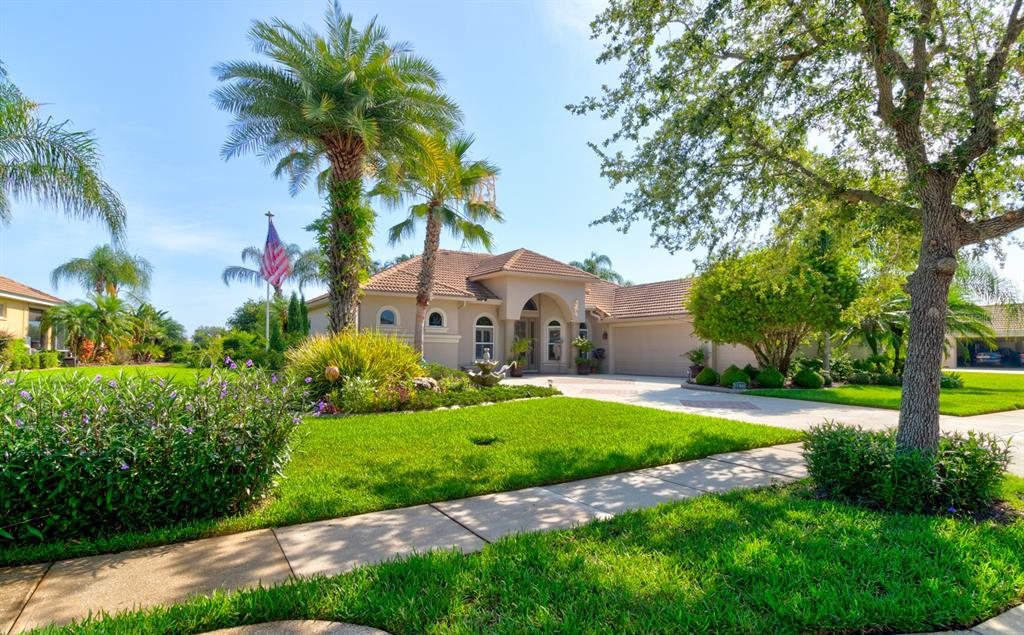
(516,253)
(647,284)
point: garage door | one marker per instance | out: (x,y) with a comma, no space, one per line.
(653,350)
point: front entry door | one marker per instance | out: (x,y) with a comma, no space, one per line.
(528,328)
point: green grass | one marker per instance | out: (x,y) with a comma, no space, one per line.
(982,393)
(766,561)
(167,371)
(347,466)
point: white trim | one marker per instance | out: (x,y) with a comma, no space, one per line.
(28,299)
(547,341)
(444,319)
(494,335)
(394,311)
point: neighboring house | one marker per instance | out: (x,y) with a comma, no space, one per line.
(1009,342)
(483,302)
(21,312)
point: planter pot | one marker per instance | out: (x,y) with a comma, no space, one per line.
(583,369)
(695,370)
(516,370)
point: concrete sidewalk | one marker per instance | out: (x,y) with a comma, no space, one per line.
(36,595)
(667,393)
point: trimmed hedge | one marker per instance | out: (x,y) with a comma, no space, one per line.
(706,377)
(401,398)
(733,375)
(808,378)
(85,457)
(851,464)
(770,378)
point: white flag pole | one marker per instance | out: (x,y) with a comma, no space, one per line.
(266,333)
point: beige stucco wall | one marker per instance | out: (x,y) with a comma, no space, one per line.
(15,318)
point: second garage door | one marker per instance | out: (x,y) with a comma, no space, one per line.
(653,350)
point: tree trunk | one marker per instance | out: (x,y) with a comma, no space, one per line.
(928,287)
(348,229)
(425,284)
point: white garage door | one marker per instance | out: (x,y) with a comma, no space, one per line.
(653,350)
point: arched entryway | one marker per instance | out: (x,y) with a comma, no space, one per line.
(547,321)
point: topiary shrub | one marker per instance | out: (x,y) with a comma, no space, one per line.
(733,375)
(381,359)
(770,378)
(807,378)
(707,377)
(89,456)
(848,463)
(751,371)
(952,381)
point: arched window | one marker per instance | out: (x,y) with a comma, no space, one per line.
(531,305)
(484,338)
(554,341)
(387,317)
(435,319)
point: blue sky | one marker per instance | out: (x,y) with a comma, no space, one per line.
(138,75)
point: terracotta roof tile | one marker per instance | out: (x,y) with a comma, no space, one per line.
(653,299)
(16,288)
(451,276)
(1003,320)
(526,261)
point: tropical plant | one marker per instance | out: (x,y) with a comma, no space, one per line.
(76,321)
(307,267)
(106,270)
(520,347)
(348,96)
(112,327)
(599,265)
(44,161)
(154,334)
(907,113)
(445,187)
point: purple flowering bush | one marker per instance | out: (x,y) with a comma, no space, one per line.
(81,457)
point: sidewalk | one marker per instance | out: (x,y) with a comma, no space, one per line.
(36,595)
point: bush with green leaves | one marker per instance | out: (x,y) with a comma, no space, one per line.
(733,375)
(861,377)
(751,371)
(382,359)
(808,378)
(952,381)
(851,464)
(888,379)
(770,378)
(840,367)
(360,396)
(707,377)
(440,371)
(88,456)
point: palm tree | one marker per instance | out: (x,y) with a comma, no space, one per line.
(446,183)
(42,160)
(307,267)
(349,97)
(106,270)
(600,265)
(113,323)
(76,321)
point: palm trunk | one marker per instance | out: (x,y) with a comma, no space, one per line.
(928,287)
(348,229)
(425,285)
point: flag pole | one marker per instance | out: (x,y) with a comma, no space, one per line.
(266,324)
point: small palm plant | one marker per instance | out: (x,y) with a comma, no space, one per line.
(445,184)
(520,347)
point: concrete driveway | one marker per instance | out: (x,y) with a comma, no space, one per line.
(667,393)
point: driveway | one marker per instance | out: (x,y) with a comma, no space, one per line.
(667,393)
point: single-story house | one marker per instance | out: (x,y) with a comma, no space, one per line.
(1008,326)
(483,302)
(21,312)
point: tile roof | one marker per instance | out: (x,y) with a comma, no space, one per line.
(1004,320)
(451,276)
(652,299)
(16,288)
(526,261)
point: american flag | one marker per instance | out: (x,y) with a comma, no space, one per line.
(275,266)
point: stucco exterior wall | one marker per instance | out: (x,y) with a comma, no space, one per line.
(15,318)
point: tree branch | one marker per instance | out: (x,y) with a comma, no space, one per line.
(989,228)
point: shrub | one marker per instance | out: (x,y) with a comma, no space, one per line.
(707,377)
(440,371)
(732,375)
(951,381)
(359,396)
(860,377)
(770,378)
(808,378)
(382,359)
(888,379)
(851,464)
(751,371)
(83,457)
(841,367)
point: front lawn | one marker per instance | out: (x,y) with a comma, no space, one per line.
(982,393)
(347,466)
(167,371)
(766,561)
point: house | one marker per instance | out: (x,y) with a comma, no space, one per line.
(1008,325)
(21,312)
(483,302)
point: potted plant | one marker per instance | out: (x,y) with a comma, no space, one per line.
(583,346)
(697,358)
(520,347)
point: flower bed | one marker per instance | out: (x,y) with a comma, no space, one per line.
(358,396)
(88,456)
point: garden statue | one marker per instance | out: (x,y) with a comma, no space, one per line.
(485,375)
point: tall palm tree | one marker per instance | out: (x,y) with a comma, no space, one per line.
(75,321)
(42,160)
(106,270)
(348,96)
(600,265)
(446,183)
(307,267)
